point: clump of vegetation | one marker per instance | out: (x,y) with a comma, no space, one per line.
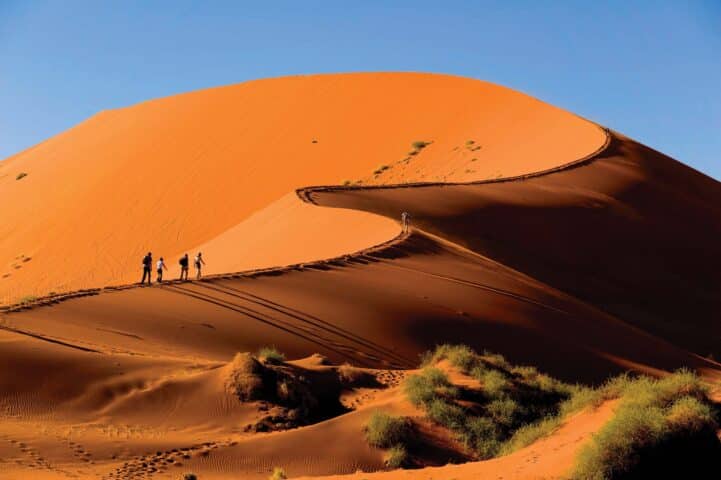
(271,355)
(396,457)
(350,375)
(418,146)
(469,143)
(278,474)
(21,175)
(245,378)
(347,183)
(380,169)
(27,299)
(652,414)
(386,431)
(189,476)
(517,405)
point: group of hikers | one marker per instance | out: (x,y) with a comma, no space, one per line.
(199,262)
(160,267)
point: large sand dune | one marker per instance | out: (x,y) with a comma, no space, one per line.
(548,239)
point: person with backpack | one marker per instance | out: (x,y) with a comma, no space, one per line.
(161,266)
(147,266)
(199,262)
(184,267)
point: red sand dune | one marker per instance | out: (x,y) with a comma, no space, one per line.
(556,243)
(172,174)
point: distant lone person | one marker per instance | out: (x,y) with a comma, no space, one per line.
(184,267)
(405,221)
(199,264)
(147,267)
(161,266)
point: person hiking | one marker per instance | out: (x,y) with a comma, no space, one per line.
(199,262)
(405,221)
(161,266)
(147,266)
(184,267)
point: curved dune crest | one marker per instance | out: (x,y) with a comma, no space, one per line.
(172,174)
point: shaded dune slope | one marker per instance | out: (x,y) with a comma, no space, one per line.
(629,231)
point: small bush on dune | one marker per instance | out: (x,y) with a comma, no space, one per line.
(27,299)
(380,169)
(419,144)
(352,376)
(689,415)
(503,411)
(189,476)
(271,355)
(386,431)
(21,175)
(278,474)
(431,384)
(396,457)
(494,383)
(460,356)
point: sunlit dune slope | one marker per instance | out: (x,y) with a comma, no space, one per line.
(173,174)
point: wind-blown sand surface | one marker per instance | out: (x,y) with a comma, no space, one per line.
(556,243)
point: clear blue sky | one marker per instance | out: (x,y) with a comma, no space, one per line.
(650,69)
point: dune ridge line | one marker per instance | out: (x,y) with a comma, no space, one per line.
(305,194)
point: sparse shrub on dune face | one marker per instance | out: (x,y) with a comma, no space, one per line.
(391,433)
(396,457)
(189,476)
(385,431)
(351,376)
(21,175)
(271,355)
(278,474)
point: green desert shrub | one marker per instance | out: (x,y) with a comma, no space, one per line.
(386,431)
(278,474)
(651,412)
(27,299)
(517,405)
(396,457)
(447,414)
(460,356)
(431,384)
(271,355)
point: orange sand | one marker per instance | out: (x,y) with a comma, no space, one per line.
(582,269)
(173,174)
